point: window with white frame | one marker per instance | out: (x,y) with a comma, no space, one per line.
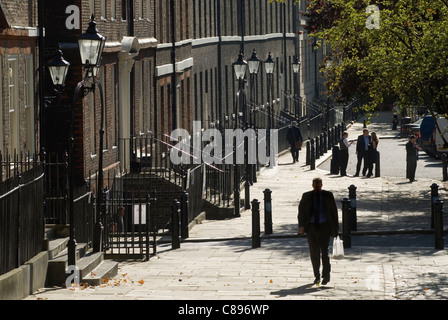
(113,108)
(92,6)
(103,84)
(92,123)
(148,96)
(103,10)
(140,100)
(13,90)
(140,9)
(29,106)
(113,9)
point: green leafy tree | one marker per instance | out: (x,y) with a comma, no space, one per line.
(387,48)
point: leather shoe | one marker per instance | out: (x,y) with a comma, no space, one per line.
(325,280)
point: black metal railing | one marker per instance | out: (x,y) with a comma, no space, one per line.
(21,212)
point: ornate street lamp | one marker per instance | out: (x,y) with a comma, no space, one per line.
(254,65)
(269,68)
(58,68)
(91,46)
(297,101)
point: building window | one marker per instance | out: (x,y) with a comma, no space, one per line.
(113,107)
(124,11)
(148,96)
(148,10)
(92,123)
(29,106)
(113,9)
(140,98)
(103,10)
(13,105)
(92,7)
(105,113)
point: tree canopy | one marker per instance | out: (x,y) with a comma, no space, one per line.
(383,49)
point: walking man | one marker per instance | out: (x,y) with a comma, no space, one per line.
(295,139)
(362,148)
(318,218)
(412,150)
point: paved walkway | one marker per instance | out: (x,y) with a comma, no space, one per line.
(379,266)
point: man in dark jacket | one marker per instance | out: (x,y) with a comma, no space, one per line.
(362,151)
(294,136)
(318,218)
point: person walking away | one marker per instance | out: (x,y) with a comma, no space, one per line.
(295,139)
(362,148)
(412,150)
(343,153)
(318,218)
(372,153)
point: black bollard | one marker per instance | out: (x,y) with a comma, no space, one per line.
(184,232)
(438,225)
(313,156)
(256,242)
(444,167)
(317,147)
(434,197)
(377,165)
(175,239)
(308,153)
(353,213)
(346,221)
(267,211)
(334,164)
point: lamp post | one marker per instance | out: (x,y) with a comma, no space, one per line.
(254,65)
(269,68)
(297,102)
(239,66)
(91,46)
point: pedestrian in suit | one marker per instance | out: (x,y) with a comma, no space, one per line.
(318,218)
(343,153)
(295,139)
(372,153)
(362,148)
(412,150)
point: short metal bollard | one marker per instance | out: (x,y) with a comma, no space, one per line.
(444,167)
(335,164)
(346,230)
(184,232)
(256,241)
(353,213)
(267,211)
(317,155)
(378,165)
(438,224)
(434,197)
(313,156)
(308,153)
(175,239)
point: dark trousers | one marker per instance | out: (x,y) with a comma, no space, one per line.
(362,156)
(318,237)
(343,161)
(411,167)
(294,153)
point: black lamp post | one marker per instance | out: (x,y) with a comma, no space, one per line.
(239,66)
(91,46)
(269,68)
(297,100)
(254,65)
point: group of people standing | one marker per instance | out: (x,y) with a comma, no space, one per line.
(366,150)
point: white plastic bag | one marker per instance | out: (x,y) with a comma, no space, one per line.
(338,248)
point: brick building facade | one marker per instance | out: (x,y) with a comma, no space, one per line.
(166,64)
(19,120)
